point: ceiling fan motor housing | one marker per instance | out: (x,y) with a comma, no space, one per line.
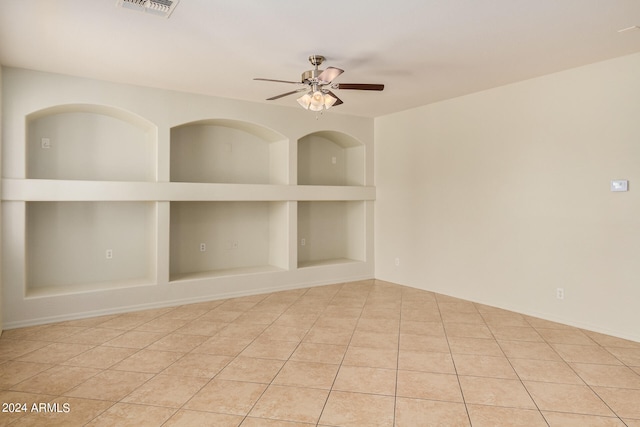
(310,76)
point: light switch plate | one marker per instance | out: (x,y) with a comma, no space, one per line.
(620,185)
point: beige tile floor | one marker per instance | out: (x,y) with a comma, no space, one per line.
(366,353)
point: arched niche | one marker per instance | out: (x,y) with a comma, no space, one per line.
(330,158)
(228,151)
(90,142)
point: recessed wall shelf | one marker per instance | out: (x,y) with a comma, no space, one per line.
(330,158)
(228,151)
(90,142)
(89,245)
(223,238)
(330,232)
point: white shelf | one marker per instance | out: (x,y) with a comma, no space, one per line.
(89,142)
(79,288)
(241,271)
(61,190)
(326,262)
(228,151)
(330,158)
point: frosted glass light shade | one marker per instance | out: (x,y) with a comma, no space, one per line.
(316,101)
(305,100)
(329,101)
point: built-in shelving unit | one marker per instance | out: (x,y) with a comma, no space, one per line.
(130,199)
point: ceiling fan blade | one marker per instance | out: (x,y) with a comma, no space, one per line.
(338,100)
(329,74)
(358,86)
(286,94)
(278,81)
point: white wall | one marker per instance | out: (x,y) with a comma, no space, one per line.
(502,196)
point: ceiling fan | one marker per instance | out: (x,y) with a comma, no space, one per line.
(317,84)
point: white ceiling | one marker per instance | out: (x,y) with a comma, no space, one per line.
(422,50)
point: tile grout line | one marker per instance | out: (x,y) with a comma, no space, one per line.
(324,406)
(580,376)
(158,373)
(244,417)
(395,394)
(453,361)
(113,403)
(155,375)
(514,369)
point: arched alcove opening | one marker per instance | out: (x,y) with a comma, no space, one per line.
(228,151)
(330,158)
(90,142)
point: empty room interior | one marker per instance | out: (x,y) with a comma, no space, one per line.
(261,214)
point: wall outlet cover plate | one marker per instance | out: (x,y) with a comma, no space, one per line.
(620,185)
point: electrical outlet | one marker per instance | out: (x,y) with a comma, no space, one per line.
(45,143)
(560,293)
(303,242)
(397,262)
(203,247)
(334,160)
(109,254)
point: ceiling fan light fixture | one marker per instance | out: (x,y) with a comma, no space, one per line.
(317,96)
(316,101)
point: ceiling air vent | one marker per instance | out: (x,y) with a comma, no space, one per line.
(155,7)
